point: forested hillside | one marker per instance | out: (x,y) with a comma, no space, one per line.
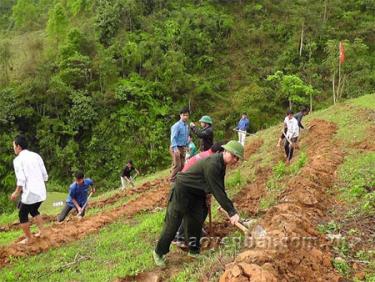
(95,83)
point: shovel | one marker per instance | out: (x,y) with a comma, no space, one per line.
(239,224)
(85,205)
(208,202)
(247,134)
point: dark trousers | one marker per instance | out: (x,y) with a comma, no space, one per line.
(187,205)
(289,148)
(25,210)
(64,213)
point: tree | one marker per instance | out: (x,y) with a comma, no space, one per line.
(107,20)
(356,75)
(5,59)
(291,87)
(25,14)
(57,24)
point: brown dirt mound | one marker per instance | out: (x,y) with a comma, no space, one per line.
(144,277)
(292,250)
(128,192)
(247,200)
(15,225)
(59,234)
(175,261)
(252,147)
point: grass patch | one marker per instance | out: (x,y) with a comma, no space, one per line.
(330,227)
(276,183)
(357,182)
(342,266)
(265,156)
(118,250)
(366,101)
(8,218)
(234,180)
(352,127)
(48,206)
(268,201)
(8,237)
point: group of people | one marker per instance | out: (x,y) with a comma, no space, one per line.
(193,180)
(31,176)
(182,147)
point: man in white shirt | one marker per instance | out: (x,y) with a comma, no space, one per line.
(291,135)
(31,175)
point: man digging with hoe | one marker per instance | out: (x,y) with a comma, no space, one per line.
(188,200)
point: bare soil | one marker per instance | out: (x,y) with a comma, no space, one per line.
(292,249)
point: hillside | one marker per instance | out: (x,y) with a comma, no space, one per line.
(94,83)
(315,216)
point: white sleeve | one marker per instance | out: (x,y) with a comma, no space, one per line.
(20,175)
(295,129)
(43,169)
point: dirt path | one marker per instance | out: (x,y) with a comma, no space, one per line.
(292,250)
(59,234)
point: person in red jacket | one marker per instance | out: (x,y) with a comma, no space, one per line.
(216,148)
(202,155)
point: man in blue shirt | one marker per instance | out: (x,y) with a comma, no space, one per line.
(179,142)
(77,198)
(242,128)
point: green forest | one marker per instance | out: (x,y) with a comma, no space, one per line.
(95,83)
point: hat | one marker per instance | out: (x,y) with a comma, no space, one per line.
(206,119)
(235,148)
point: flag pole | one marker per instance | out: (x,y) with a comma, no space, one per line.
(341,61)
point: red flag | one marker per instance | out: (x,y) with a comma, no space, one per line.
(342,53)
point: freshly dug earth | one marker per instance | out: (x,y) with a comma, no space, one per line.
(248,199)
(291,249)
(252,147)
(95,203)
(59,234)
(213,239)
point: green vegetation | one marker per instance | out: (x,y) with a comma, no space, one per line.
(357,175)
(276,182)
(116,249)
(367,102)
(351,127)
(10,236)
(330,227)
(342,267)
(94,83)
(356,179)
(124,247)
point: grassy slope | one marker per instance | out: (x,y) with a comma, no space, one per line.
(123,249)
(55,197)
